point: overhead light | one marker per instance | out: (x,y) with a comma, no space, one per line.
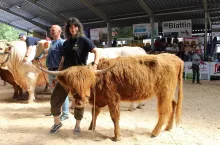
(18,6)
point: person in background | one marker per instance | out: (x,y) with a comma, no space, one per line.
(175,40)
(31,46)
(169,48)
(201,48)
(196,60)
(114,44)
(169,39)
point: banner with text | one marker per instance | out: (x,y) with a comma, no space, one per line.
(118,32)
(204,71)
(182,28)
(145,30)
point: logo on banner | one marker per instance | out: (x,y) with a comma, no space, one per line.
(202,67)
(217,68)
(168,25)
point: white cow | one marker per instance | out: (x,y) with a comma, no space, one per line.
(114,52)
(25,74)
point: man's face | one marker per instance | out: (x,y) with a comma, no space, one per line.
(22,38)
(54,32)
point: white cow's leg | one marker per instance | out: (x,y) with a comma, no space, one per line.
(31,97)
(140,105)
(132,107)
(31,84)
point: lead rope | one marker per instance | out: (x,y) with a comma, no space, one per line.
(53,83)
(93,116)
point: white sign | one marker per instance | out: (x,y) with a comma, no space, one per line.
(215,68)
(145,29)
(204,70)
(182,28)
(196,39)
(215,34)
(94,34)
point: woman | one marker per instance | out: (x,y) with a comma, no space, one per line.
(75,52)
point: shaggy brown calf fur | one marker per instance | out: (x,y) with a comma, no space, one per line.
(7,76)
(139,78)
(132,79)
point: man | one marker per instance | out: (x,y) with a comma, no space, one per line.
(201,48)
(175,40)
(53,61)
(196,60)
(31,46)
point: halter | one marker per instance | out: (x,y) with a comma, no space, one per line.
(1,64)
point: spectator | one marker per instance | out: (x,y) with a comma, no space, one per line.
(175,40)
(196,60)
(114,44)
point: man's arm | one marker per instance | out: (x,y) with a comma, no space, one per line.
(61,64)
(96,58)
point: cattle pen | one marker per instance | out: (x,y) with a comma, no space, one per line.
(22,123)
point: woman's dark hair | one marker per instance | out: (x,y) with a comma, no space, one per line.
(73,21)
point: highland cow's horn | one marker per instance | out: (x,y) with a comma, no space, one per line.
(57,73)
(104,70)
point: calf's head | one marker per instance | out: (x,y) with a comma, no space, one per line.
(78,80)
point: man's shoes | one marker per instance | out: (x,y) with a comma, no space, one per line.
(76,131)
(55,128)
(64,117)
(199,83)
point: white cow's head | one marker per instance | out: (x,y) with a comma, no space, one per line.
(42,46)
(5,48)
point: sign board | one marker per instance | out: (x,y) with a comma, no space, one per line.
(145,29)
(196,39)
(118,32)
(94,34)
(215,68)
(204,71)
(182,28)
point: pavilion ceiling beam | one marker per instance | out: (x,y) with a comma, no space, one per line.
(205,4)
(95,10)
(48,10)
(24,18)
(147,9)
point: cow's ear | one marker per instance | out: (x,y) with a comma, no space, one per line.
(46,44)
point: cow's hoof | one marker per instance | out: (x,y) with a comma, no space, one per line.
(116,139)
(15,97)
(90,128)
(140,107)
(131,109)
(153,136)
(168,128)
(30,101)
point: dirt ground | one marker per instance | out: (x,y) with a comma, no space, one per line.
(26,124)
